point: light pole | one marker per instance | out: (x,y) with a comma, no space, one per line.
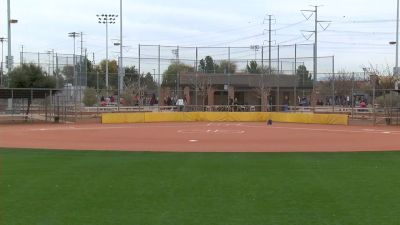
(74,35)
(121,70)
(255,48)
(176,53)
(365,71)
(2,40)
(49,63)
(396,71)
(9,22)
(107,19)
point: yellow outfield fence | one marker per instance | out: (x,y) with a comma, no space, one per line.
(152,117)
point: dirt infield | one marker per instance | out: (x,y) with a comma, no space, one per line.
(202,137)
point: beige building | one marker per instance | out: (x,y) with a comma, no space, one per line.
(245,89)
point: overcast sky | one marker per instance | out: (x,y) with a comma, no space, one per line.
(358,35)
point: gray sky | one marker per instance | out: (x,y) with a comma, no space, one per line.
(358,35)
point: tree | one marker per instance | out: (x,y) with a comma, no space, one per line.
(112,72)
(90,97)
(386,82)
(30,76)
(207,65)
(170,75)
(226,67)
(131,75)
(149,83)
(253,68)
(68,74)
(202,84)
(87,68)
(304,77)
(112,66)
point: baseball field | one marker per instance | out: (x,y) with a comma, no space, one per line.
(199,173)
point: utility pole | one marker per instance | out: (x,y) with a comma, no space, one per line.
(269,44)
(315,32)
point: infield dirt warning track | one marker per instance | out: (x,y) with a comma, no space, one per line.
(202,137)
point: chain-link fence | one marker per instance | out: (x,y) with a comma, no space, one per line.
(29,105)
(60,65)
(176,78)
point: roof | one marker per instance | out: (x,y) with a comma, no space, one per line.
(6,93)
(240,80)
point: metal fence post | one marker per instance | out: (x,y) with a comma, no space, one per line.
(197,70)
(296,78)
(333,83)
(159,77)
(352,95)
(278,83)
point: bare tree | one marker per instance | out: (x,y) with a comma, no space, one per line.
(134,93)
(263,93)
(202,84)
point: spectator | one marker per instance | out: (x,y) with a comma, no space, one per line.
(363,104)
(153,100)
(180,103)
(169,101)
(185,101)
(236,103)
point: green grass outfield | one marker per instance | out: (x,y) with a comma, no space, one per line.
(121,188)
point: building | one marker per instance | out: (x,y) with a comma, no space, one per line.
(203,89)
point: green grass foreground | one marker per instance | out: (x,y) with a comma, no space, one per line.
(121,188)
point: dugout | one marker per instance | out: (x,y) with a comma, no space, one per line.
(21,104)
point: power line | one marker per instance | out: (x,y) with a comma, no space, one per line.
(361,32)
(365,21)
(290,25)
(236,40)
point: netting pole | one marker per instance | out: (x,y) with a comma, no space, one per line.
(139,75)
(352,95)
(229,74)
(12,102)
(296,78)
(21,60)
(197,69)
(278,83)
(373,99)
(262,81)
(333,84)
(159,77)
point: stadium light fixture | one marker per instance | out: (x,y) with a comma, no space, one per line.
(106,19)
